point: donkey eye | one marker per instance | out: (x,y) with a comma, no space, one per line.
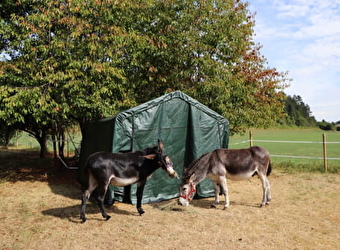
(184,189)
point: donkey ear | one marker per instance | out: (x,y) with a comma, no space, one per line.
(192,177)
(150,157)
(160,145)
(185,171)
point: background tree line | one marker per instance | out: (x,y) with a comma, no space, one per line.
(300,115)
(67,62)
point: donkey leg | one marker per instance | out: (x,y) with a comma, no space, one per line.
(86,195)
(217,195)
(84,200)
(100,199)
(224,191)
(266,190)
(140,189)
(268,193)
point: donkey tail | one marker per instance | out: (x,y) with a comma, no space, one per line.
(269,169)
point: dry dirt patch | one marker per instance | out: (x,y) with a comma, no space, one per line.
(304,214)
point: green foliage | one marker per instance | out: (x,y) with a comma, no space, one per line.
(206,50)
(79,61)
(327,126)
(298,113)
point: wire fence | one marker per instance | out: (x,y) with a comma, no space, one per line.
(72,145)
(71,149)
(324,143)
(23,140)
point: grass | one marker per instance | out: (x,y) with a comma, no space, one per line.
(23,140)
(295,149)
(40,208)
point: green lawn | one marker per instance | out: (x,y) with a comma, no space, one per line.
(307,143)
(24,141)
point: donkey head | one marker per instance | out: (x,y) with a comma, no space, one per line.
(187,189)
(164,160)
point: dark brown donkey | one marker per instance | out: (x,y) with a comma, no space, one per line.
(222,164)
(120,170)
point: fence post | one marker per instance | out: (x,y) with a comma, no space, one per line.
(324,147)
(251,138)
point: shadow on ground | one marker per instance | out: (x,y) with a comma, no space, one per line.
(72,213)
(26,166)
(206,203)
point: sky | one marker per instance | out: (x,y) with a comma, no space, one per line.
(302,37)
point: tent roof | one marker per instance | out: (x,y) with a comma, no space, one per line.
(167,99)
(155,118)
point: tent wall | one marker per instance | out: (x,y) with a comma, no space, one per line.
(187,129)
(96,136)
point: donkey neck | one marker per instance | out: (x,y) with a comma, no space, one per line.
(149,166)
(200,168)
(199,177)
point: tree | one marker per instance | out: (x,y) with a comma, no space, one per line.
(298,113)
(7,132)
(328,126)
(56,71)
(206,49)
(75,60)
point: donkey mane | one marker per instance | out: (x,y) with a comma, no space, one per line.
(150,150)
(198,164)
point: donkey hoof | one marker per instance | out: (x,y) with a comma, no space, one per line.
(140,211)
(213,206)
(83,220)
(107,217)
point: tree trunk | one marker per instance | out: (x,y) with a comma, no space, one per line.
(54,142)
(61,143)
(42,141)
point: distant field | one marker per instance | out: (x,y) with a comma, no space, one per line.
(25,141)
(312,149)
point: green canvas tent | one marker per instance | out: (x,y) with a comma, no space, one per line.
(187,128)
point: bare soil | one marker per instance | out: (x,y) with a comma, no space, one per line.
(40,207)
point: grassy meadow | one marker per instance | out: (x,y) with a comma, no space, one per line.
(308,144)
(24,141)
